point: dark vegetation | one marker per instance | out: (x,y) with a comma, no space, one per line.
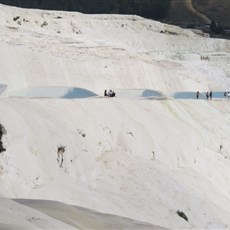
(2,132)
(152,9)
(182,215)
(216,10)
(216,28)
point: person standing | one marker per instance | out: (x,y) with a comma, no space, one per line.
(105,93)
(207,95)
(197,94)
(228,95)
(210,95)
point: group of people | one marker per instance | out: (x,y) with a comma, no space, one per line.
(109,93)
(208,95)
(227,95)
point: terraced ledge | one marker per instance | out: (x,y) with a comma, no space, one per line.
(73,92)
(139,93)
(52,92)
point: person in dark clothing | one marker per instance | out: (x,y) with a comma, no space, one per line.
(228,95)
(210,95)
(197,94)
(207,95)
(111,93)
(105,93)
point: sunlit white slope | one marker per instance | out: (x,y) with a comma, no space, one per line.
(99,51)
(109,163)
(141,159)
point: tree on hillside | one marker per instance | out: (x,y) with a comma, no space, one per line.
(215,27)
